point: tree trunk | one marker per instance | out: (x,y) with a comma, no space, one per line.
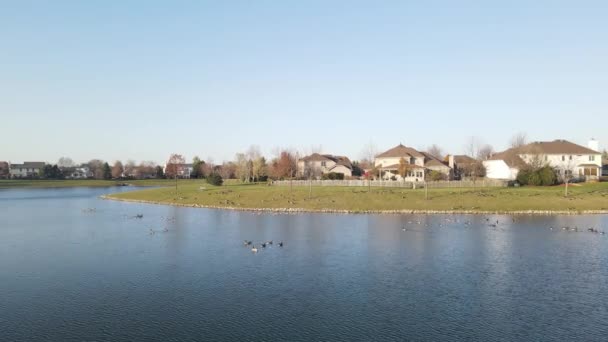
(310,189)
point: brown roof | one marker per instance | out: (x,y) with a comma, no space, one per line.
(400,151)
(555,147)
(510,157)
(396,166)
(339,160)
(464,159)
(430,160)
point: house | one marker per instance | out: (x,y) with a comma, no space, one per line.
(80,173)
(183,170)
(26,170)
(564,156)
(317,164)
(417,164)
(4,170)
(605,167)
(462,165)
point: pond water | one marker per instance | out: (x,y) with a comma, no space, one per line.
(70,273)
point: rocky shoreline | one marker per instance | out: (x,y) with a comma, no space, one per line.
(341,211)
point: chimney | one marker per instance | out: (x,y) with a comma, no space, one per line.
(594,144)
(451,161)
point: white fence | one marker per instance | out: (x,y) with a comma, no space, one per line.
(482,183)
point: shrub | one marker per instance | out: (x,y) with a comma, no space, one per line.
(436,176)
(215,179)
(332,176)
(544,176)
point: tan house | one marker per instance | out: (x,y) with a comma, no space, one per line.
(317,164)
(417,164)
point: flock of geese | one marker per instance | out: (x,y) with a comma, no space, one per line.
(491,224)
(254,249)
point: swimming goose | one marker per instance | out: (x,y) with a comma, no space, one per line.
(254,249)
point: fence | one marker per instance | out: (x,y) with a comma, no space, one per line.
(482,183)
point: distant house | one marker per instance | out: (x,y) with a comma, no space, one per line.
(462,165)
(325,163)
(183,170)
(26,170)
(605,167)
(4,170)
(565,157)
(418,164)
(80,173)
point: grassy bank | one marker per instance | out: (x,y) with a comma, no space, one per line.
(586,197)
(4,184)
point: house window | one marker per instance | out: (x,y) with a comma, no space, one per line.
(546,158)
(570,157)
(563,158)
(323,163)
(591,158)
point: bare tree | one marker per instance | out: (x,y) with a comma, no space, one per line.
(129,169)
(435,151)
(96,168)
(519,140)
(471,147)
(566,174)
(117,169)
(484,152)
(243,171)
(175,166)
(368,153)
(65,162)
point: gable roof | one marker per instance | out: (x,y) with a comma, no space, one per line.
(400,151)
(339,160)
(430,160)
(555,147)
(510,157)
(464,159)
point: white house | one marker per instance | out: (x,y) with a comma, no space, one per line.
(417,164)
(325,163)
(80,173)
(183,170)
(565,157)
(26,170)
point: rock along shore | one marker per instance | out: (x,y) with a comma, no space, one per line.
(342,211)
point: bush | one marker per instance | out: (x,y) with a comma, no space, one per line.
(544,176)
(436,176)
(333,176)
(215,179)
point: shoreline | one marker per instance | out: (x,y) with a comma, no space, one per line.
(355,212)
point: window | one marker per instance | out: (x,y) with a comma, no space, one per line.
(323,163)
(546,158)
(591,158)
(563,158)
(570,157)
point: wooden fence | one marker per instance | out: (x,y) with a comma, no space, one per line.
(482,183)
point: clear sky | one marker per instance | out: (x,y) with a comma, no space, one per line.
(142,79)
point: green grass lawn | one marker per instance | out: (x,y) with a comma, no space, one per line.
(592,196)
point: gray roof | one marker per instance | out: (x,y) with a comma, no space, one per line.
(28,165)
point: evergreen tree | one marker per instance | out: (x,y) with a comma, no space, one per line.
(107,171)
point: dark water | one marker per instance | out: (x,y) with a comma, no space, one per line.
(69,275)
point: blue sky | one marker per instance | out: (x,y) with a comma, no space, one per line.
(142,79)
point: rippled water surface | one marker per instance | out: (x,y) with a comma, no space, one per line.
(73,275)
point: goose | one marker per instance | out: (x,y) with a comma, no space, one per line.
(254,249)
(281,244)
(264,245)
